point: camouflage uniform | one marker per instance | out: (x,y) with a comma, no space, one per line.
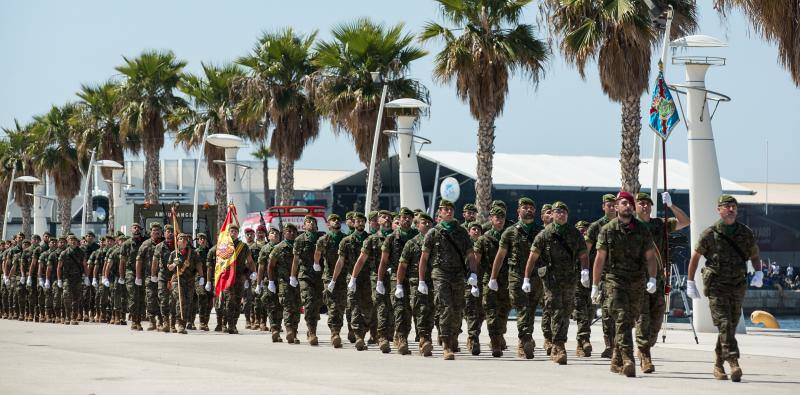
(496,304)
(270,301)
(118,291)
(39,254)
(336,301)
(202,300)
(584,303)
(233,294)
(219,305)
(422,308)
(653,305)
(310,281)
(145,256)
(393,245)
(71,261)
(88,293)
(54,302)
(288,295)
(161,255)
(381,304)
(247,293)
(349,250)
(185,271)
(96,263)
(724,279)
(130,252)
(25,299)
(517,241)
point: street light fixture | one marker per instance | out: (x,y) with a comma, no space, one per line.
(22,179)
(117,170)
(231,144)
(378,78)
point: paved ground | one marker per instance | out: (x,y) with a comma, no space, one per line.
(96,358)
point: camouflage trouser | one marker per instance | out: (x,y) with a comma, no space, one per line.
(559,301)
(119,296)
(361,306)
(42,300)
(273,308)
(289,297)
(449,300)
(473,313)
(311,297)
(609,330)
(165,303)
(384,312)
(524,303)
(248,296)
(232,298)
(48,301)
(58,300)
(401,308)
(337,303)
(178,310)
(3,298)
(135,295)
(151,298)
(422,308)
(651,317)
(21,299)
(72,298)
(624,304)
(101,302)
(725,301)
(204,302)
(88,299)
(584,312)
(496,305)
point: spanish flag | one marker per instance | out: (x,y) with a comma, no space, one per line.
(225,271)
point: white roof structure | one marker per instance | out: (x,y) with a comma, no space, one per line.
(563,172)
(772,193)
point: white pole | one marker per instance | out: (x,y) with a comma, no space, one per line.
(119,197)
(656,139)
(39,219)
(432,208)
(86,194)
(234,184)
(196,175)
(376,137)
(410,182)
(766,180)
(8,200)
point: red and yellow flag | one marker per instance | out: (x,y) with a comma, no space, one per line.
(225,271)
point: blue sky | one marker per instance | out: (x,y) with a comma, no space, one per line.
(50,47)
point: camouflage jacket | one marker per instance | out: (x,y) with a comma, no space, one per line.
(71,263)
(447,249)
(558,248)
(161,254)
(304,247)
(372,248)
(410,257)
(517,241)
(282,254)
(186,265)
(328,245)
(626,246)
(349,250)
(723,263)
(394,243)
(487,246)
(130,251)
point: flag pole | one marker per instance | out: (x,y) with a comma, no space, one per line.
(177,268)
(667,263)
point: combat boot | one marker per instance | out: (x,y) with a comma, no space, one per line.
(616,362)
(383,344)
(503,345)
(218,328)
(190,326)
(425,346)
(291,335)
(548,346)
(312,335)
(559,353)
(232,330)
(262,326)
(181,327)
(607,352)
(719,369)
(276,335)
(171,325)
(528,347)
(165,327)
(361,345)
(736,371)
(373,335)
(247,324)
(646,362)
(628,365)
(402,344)
(474,346)
(520,349)
(447,345)
(351,336)
(497,349)
(153,326)
(204,324)
(336,340)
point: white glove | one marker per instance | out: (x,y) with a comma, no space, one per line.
(257,290)
(317,267)
(691,290)
(253,276)
(106,283)
(41,281)
(28,281)
(473,279)
(351,286)
(379,288)
(475,291)
(651,285)
(60,284)
(86,281)
(398,292)
(331,285)
(526,285)
(94,282)
(5,279)
(293,281)
(154,279)
(422,288)
(201,281)
(121,281)
(47,284)
(22,280)
(585,278)
(271,286)
(758,279)
(246,284)
(595,295)
(389,271)
(493,285)
(208,286)
(138,282)
(667,199)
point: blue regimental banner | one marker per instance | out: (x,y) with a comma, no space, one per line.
(663,113)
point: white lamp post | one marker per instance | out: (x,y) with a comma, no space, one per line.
(117,185)
(410,182)
(376,78)
(231,144)
(23,179)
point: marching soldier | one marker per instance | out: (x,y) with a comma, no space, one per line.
(159,269)
(184,266)
(727,246)
(203,300)
(88,292)
(245,272)
(584,313)
(247,291)
(259,310)
(129,253)
(422,308)
(270,302)
(44,290)
(584,326)
(349,252)
(55,300)
(495,303)
(283,283)
(71,267)
(309,272)
(325,255)
(474,314)
(144,261)
(96,262)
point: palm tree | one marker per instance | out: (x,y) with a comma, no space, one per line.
(146,101)
(54,152)
(343,88)
(279,65)
(96,127)
(620,37)
(17,155)
(263,154)
(213,102)
(778,22)
(5,180)
(486,44)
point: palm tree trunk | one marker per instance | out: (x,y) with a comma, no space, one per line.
(287,181)
(377,186)
(3,198)
(27,219)
(152,181)
(221,197)
(278,185)
(629,154)
(110,223)
(265,175)
(483,185)
(65,214)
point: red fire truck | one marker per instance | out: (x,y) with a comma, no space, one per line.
(278,215)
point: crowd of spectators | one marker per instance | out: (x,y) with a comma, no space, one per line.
(779,277)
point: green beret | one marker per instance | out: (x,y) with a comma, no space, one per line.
(643,196)
(35,237)
(168,228)
(350,215)
(498,211)
(609,197)
(47,234)
(89,233)
(406,211)
(547,206)
(386,212)
(445,203)
(582,224)
(333,217)
(425,217)
(372,214)
(290,226)
(725,199)
(476,224)
(309,217)
(470,207)
(184,235)
(359,215)
(203,235)
(560,205)
(136,224)
(498,203)
(71,236)
(155,225)
(525,200)
(233,226)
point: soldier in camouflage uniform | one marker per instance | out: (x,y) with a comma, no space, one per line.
(470,214)
(515,245)
(210,287)
(391,250)
(652,314)
(348,313)
(446,248)
(270,302)
(144,261)
(203,300)
(326,255)
(37,281)
(283,283)
(54,303)
(45,292)
(349,253)
(88,293)
(158,268)
(558,246)
(133,276)
(114,277)
(247,292)
(245,273)
(421,304)
(547,218)
(23,264)
(96,262)
(474,313)
(71,267)
(10,280)
(727,246)
(584,323)
(496,304)
(309,272)
(583,313)
(626,249)
(184,266)
(259,310)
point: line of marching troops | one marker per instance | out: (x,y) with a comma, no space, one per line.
(396,271)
